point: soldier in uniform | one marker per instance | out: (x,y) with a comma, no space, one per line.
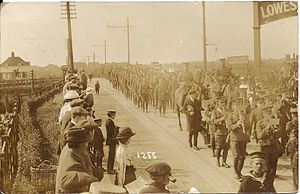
(234,123)
(207,118)
(162,96)
(267,133)
(192,108)
(255,116)
(160,173)
(111,131)
(145,93)
(218,122)
(257,180)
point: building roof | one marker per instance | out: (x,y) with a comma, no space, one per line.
(14,61)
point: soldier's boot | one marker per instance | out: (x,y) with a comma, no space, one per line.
(235,167)
(213,146)
(240,165)
(214,152)
(224,158)
(218,154)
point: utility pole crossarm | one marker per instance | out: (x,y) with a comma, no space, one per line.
(127,27)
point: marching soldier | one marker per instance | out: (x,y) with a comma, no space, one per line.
(162,96)
(255,116)
(257,180)
(218,121)
(267,133)
(145,93)
(234,123)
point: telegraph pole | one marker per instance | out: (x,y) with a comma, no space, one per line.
(128,35)
(204,37)
(105,45)
(69,12)
(256,34)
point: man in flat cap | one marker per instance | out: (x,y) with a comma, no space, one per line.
(111,132)
(192,108)
(75,171)
(257,180)
(160,173)
(77,114)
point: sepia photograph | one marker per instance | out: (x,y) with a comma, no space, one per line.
(149,97)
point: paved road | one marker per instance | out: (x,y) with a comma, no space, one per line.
(161,135)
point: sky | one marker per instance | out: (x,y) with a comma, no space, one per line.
(164,32)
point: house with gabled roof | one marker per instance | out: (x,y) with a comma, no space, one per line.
(14,67)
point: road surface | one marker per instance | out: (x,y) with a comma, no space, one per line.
(158,134)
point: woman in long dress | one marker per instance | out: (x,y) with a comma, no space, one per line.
(124,158)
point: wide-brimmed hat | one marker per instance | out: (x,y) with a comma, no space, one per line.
(70,95)
(125,132)
(76,134)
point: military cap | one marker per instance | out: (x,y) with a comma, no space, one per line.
(76,134)
(111,112)
(78,111)
(87,124)
(159,169)
(70,95)
(125,132)
(257,155)
(76,102)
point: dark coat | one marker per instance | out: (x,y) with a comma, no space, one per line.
(111,132)
(250,184)
(155,188)
(74,172)
(193,121)
(98,140)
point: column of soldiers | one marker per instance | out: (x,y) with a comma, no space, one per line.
(234,111)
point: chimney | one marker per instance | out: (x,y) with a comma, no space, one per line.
(12,54)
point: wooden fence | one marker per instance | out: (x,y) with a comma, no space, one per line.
(9,140)
(8,151)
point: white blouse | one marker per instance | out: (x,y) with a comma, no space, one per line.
(124,158)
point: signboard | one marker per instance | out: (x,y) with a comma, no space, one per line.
(270,11)
(238,60)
